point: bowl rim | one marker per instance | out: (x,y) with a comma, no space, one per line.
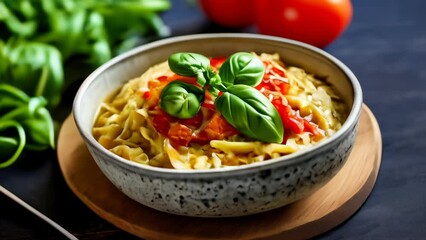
(286,160)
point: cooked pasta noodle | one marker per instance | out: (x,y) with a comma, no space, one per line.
(131,124)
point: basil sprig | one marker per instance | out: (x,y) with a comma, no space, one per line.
(243,106)
(181,100)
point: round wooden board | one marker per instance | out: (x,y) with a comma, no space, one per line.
(311,216)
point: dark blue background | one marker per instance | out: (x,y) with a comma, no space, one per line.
(385,46)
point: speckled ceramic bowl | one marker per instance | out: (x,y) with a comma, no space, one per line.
(226,192)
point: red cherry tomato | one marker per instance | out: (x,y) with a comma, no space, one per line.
(229,13)
(317,22)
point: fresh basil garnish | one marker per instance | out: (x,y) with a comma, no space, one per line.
(181,100)
(191,65)
(242,68)
(249,111)
(243,106)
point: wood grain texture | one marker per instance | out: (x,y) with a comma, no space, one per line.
(318,213)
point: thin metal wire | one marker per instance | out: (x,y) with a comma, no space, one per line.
(37,213)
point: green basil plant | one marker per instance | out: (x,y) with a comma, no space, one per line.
(48,45)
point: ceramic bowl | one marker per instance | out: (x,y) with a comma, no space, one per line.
(223,192)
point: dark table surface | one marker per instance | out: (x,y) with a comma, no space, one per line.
(385,46)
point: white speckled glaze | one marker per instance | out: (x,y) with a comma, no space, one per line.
(225,192)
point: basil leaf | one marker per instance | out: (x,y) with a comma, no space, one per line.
(190,65)
(242,68)
(16,19)
(40,130)
(35,68)
(181,100)
(251,113)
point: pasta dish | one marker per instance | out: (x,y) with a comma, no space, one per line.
(150,121)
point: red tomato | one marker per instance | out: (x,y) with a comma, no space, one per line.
(209,105)
(270,81)
(217,128)
(317,22)
(229,13)
(217,62)
(290,121)
(293,123)
(195,121)
(313,128)
(161,123)
(179,135)
(146,95)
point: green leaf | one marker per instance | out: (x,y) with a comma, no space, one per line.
(37,133)
(251,113)
(190,65)
(40,130)
(181,100)
(129,6)
(100,51)
(35,68)
(14,24)
(242,68)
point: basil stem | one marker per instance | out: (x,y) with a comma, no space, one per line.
(31,120)
(191,65)
(12,147)
(242,68)
(251,113)
(11,99)
(25,111)
(10,91)
(181,100)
